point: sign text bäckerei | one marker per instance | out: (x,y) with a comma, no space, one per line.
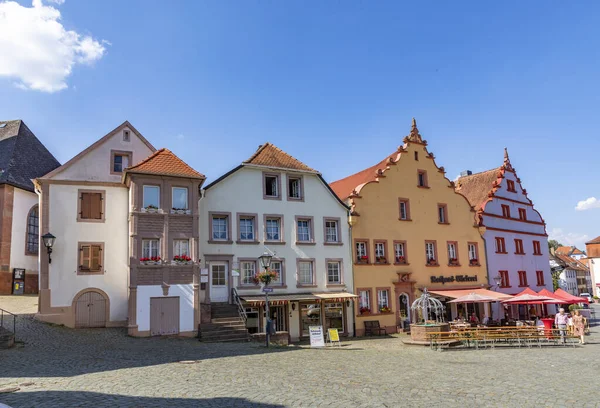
(452,279)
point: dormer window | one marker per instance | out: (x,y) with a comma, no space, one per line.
(119,161)
(126,136)
(271,186)
(295,190)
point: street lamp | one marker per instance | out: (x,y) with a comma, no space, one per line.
(497,279)
(265,261)
(48,243)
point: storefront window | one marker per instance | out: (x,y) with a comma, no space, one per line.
(252,322)
(334,316)
(310,315)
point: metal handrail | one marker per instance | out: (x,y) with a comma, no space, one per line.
(14,320)
(238,303)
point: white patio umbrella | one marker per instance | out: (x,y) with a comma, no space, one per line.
(473,298)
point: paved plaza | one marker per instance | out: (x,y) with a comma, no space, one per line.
(53,366)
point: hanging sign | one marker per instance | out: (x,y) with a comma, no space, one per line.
(203,279)
(316,336)
(267,290)
(204,271)
(334,336)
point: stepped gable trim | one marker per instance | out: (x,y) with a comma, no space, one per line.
(97,143)
(142,166)
(475,195)
(346,189)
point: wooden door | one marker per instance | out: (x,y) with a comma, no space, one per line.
(90,310)
(164,316)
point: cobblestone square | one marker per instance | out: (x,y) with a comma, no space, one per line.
(53,366)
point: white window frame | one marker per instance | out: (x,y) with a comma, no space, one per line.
(252,229)
(275,187)
(300,233)
(472,252)
(146,204)
(212,233)
(298,188)
(247,272)
(364,299)
(380,249)
(383,301)
(279,271)
(152,246)
(430,251)
(361,250)
(403,210)
(331,232)
(177,243)
(267,233)
(173,198)
(399,250)
(331,272)
(452,251)
(441,214)
(301,272)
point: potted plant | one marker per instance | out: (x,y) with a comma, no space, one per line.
(400,259)
(150,209)
(154,260)
(432,261)
(265,277)
(473,261)
(380,259)
(364,310)
(182,260)
(363,259)
(385,309)
(453,261)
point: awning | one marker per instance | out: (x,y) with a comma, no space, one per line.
(456,293)
(335,297)
(298,297)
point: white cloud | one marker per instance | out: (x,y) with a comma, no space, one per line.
(588,204)
(37,51)
(569,238)
(180,136)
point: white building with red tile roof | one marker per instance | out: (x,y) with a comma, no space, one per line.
(592,248)
(515,237)
(273,202)
(122,213)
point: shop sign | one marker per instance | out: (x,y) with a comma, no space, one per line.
(316,336)
(334,336)
(452,279)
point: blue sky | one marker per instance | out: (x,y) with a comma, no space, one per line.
(333,83)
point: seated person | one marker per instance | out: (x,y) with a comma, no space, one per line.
(474,318)
(459,318)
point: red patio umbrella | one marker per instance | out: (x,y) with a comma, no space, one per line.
(569,299)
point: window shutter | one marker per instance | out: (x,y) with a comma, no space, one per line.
(96,258)
(85,257)
(85,206)
(96,206)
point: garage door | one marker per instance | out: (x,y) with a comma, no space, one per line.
(90,310)
(164,316)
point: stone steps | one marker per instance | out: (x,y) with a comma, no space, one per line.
(225,325)
(7,338)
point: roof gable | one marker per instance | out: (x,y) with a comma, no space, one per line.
(345,187)
(477,187)
(22,156)
(269,155)
(97,144)
(165,163)
(593,241)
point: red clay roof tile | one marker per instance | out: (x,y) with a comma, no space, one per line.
(344,187)
(269,155)
(594,241)
(477,187)
(164,162)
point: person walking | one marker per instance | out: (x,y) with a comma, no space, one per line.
(579,326)
(561,320)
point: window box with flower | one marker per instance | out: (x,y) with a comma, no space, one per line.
(432,262)
(474,262)
(381,260)
(453,262)
(151,209)
(385,309)
(363,259)
(401,260)
(364,311)
(180,211)
(155,260)
(182,260)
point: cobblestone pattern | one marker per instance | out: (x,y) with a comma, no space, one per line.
(60,367)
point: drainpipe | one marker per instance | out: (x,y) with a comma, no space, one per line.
(350,250)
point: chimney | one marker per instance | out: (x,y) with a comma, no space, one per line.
(466,173)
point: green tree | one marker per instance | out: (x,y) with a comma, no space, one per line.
(554,244)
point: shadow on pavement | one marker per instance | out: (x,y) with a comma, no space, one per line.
(46,350)
(91,399)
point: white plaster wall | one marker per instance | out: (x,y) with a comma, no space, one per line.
(511,262)
(568,281)
(243,192)
(95,165)
(63,279)
(23,202)
(595,272)
(186,305)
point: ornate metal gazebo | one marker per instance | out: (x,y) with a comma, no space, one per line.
(428,306)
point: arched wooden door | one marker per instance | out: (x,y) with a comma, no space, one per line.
(90,310)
